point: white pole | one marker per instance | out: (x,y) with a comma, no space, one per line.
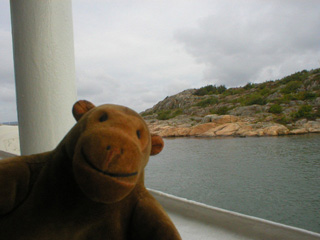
(44,71)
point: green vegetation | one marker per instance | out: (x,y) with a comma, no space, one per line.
(220,111)
(315,71)
(233,91)
(286,98)
(298,76)
(207,102)
(249,86)
(167,114)
(254,98)
(276,109)
(282,119)
(291,87)
(305,111)
(210,90)
(298,89)
(262,86)
(306,95)
(265,91)
(144,114)
(164,115)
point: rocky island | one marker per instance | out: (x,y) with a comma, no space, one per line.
(290,105)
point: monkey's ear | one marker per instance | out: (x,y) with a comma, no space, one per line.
(80,108)
(157,144)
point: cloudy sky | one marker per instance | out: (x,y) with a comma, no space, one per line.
(136,53)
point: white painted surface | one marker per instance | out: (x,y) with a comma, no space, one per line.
(44,71)
(199,221)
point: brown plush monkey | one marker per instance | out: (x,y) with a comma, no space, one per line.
(90,187)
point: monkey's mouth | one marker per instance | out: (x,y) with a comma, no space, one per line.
(110,174)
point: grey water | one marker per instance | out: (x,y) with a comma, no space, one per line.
(274,178)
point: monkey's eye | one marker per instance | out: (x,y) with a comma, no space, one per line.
(138,134)
(103,118)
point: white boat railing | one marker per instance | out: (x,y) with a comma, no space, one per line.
(199,221)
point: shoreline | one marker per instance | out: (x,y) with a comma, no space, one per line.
(217,127)
(229,126)
(229,137)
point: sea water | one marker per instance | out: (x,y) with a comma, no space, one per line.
(275,178)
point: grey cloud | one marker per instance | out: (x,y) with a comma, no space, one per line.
(267,40)
(99,88)
(7,94)
(7,90)
(8,112)
(138,53)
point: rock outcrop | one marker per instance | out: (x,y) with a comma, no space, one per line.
(287,106)
(229,125)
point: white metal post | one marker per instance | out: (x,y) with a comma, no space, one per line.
(44,66)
